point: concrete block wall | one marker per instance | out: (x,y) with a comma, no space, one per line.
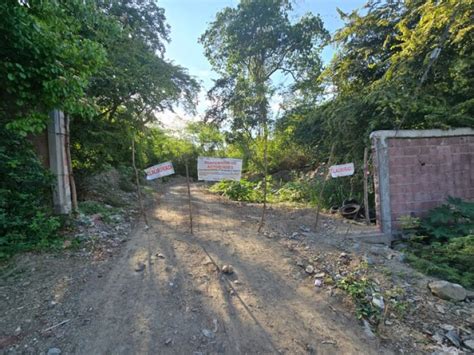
(416,170)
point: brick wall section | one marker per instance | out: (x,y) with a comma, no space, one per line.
(423,172)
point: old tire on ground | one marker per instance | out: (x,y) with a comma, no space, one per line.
(350,210)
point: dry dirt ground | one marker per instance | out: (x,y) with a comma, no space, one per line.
(161,293)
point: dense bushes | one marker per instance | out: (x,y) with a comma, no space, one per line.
(442,243)
(452,260)
(100,62)
(299,190)
(242,190)
(25,191)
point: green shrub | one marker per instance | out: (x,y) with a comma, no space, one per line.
(127,179)
(360,288)
(25,198)
(451,220)
(452,260)
(242,190)
(303,191)
(294,191)
(94,207)
(442,243)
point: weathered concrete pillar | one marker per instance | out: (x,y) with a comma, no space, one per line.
(58,163)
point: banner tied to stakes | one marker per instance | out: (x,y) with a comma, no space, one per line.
(159,170)
(217,169)
(342,170)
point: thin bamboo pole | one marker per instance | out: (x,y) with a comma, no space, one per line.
(189,198)
(137,181)
(318,210)
(72,181)
(366,193)
(265,172)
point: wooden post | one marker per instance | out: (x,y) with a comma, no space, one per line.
(366,193)
(189,198)
(72,181)
(137,181)
(265,173)
(322,188)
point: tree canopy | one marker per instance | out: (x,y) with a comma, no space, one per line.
(398,64)
(101,62)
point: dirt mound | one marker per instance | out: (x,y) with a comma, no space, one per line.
(112,187)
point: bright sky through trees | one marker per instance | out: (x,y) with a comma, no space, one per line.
(190,18)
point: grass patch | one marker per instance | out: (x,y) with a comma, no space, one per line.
(442,243)
(452,260)
(242,190)
(94,207)
(360,288)
(249,191)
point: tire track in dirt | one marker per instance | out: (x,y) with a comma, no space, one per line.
(180,304)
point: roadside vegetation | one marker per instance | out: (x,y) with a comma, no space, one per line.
(398,64)
(303,190)
(442,243)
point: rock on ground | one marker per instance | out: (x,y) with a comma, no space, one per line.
(447,290)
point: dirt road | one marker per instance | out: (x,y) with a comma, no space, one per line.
(138,290)
(180,304)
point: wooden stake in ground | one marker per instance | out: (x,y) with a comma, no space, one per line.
(189,198)
(366,193)
(318,210)
(72,182)
(137,181)
(265,172)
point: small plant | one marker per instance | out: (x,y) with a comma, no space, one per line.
(451,260)
(94,207)
(443,244)
(409,223)
(242,190)
(400,307)
(294,191)
(360,288)
(451,220)
(396,301)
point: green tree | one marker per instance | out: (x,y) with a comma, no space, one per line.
(399,64)
(45,64)
(135,84)
(248,45)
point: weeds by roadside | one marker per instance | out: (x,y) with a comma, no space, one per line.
(302,190)
(442,243)
(93,207)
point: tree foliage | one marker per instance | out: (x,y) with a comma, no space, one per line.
(101,62)
(398,64)
(248,45)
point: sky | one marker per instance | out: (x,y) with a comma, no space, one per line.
(190,18)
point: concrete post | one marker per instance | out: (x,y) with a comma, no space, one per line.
(58,163)
(382,179)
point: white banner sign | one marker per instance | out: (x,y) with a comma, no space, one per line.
(160,170)
(342,170)
(217,169)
